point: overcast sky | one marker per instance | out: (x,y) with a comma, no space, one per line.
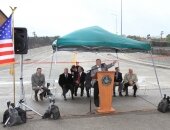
(59,17)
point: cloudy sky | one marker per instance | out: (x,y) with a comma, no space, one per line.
(59,17)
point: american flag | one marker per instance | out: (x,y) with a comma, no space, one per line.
(7,55)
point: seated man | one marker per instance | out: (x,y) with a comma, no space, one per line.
(130,79)
(38,84)
(118,81)
(79,82)
(66,83)
(88,84)
(73,70)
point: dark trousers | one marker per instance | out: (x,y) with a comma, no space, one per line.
(66,88)
(120,84)
(126,88)
(76,86)
(88,86)
(87,91)
(96,94)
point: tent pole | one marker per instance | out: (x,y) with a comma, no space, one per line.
(90,100)
(156,73)
(51,65)
(117,56)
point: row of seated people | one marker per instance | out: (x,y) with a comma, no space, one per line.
(78,78)
(130,79)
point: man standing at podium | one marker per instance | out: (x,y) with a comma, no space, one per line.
(98,67)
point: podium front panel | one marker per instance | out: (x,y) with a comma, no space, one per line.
(105,82)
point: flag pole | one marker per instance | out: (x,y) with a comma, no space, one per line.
(13,65)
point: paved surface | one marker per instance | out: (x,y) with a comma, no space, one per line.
(131,113)
(129,121)
(162,60)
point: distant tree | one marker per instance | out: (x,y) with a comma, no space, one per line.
(35,42)
(168,38)
(134,37)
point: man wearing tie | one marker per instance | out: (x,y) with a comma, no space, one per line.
(98,67)
(66,83)
(80,81)
(118,81)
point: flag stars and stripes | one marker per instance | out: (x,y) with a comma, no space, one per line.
(7,55)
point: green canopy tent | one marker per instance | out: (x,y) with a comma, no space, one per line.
(99,40)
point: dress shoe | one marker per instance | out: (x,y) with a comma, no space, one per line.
(36,98)
(72,97)
(120,94)
(88,95)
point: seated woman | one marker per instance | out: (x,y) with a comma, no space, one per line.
(130,79)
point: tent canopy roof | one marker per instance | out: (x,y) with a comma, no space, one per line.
(97,39)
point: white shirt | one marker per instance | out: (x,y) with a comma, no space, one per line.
(66,75)
(99,68)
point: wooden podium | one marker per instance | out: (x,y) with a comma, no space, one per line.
(105,83)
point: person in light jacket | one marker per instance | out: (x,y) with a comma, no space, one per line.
(38,84)
(130,79)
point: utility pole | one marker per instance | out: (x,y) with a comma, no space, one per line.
(121,19)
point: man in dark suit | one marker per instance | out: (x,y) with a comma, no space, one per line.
(88,84)
(66,83)
(80,81)
(118,81)
(98,67)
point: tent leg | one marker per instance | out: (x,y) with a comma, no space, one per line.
(51,65)
(117,57)
(156,73)
(90,100)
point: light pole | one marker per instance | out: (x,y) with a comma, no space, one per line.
(162,32)
(148,37)
(121,19)
(115,21)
